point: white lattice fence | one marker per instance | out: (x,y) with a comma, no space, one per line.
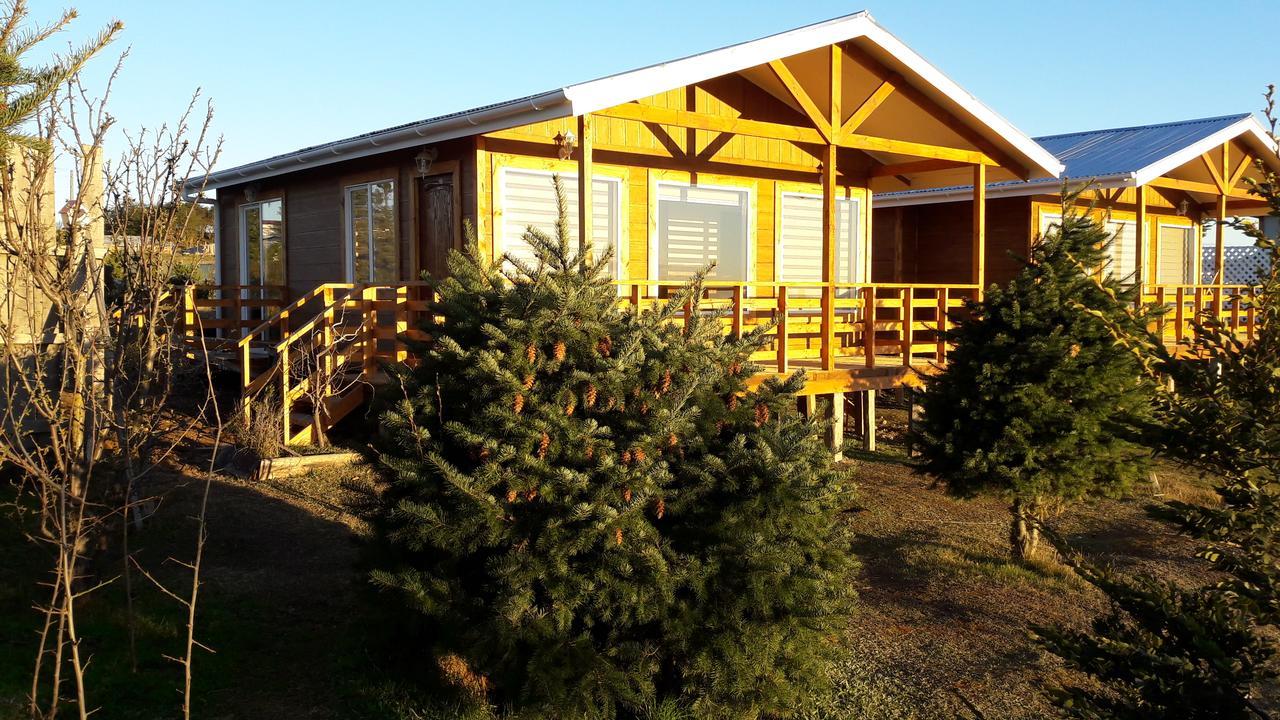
(1243,264)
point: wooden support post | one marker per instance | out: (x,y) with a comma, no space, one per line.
(829,258)
(370,332)
(1140,232)
(980,225)
(585,186)
(835,433)
(635,296)
(402,322)
(782,336)
(286,401)
(1220,250)
(869,421)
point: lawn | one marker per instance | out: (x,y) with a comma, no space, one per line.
(942,629)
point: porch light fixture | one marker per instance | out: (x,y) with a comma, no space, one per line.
(1183,207)
(422,161)
(566,141)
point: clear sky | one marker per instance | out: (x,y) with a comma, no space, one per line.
(284,74)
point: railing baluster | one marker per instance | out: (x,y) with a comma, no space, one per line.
(940,355)
(1180,316)
(908,321)
(782,337)
(869,325)
(737,312)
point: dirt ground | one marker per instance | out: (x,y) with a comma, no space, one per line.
(942,631)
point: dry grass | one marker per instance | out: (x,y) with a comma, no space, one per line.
(943,631)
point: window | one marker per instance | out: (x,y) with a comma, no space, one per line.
(1177,249)
(800,242)
(529,200)
(698,226)
(262,243)
(372,252)
(1122,252)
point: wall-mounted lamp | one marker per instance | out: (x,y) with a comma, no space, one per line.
(566,141)
(422,161)
(251,193)
(1183,207)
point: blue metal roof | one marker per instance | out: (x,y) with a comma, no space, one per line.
(1101,153)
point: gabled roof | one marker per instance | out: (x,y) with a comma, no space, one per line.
(1125,151)
(1115,157)
(596,95)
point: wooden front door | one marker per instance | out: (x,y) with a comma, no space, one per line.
(437,222)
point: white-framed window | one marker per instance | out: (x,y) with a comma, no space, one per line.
(372,249)
(262,259)
(1122,252)
(528,199)
(799,250)
(1122,249)
(699,225)
(1176,255)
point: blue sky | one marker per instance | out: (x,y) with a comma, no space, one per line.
(287,74)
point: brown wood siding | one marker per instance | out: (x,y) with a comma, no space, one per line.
(314,214)
(931,243)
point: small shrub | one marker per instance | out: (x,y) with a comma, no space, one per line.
(263,433)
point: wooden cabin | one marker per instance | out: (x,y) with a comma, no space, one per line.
(1157,188)
(765,158)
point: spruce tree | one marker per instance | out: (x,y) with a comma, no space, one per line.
(583,499)
(1036,398)
(1170,652)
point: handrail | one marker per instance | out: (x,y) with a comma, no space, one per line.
(285,311)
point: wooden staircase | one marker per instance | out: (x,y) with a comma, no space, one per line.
(318,371)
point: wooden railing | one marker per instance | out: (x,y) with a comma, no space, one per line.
(228,311)
(325,347)
(869,324)
(1234,306)
(332,355)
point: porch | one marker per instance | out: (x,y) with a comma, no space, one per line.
(320,355)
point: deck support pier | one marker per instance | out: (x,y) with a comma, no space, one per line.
(869,421)
(835,431)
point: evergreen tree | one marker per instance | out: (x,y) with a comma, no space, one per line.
(1168,652)
(1036,399)
(582,501)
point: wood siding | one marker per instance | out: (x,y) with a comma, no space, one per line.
(933,243)
(314,212)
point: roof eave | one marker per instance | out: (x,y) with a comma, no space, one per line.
(961,194)
(1245,126)
(547,106)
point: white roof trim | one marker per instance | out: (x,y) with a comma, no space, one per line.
(1246,127)
(606,92)
(998,190)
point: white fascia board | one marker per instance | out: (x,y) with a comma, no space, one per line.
(1046,186)
(547,106)
(626,87)
(1247,127)
(1036,156)
(606,92)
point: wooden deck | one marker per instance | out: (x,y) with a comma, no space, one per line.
(319,354)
